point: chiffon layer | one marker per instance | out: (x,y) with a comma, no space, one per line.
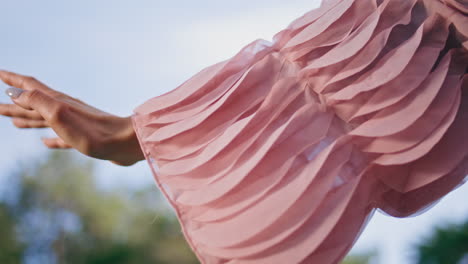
(282,153)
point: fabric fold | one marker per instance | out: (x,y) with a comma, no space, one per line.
(282,153)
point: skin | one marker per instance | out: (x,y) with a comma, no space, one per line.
(91,131)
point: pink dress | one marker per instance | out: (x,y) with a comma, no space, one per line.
(282,153)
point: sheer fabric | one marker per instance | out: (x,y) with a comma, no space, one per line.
(282,153)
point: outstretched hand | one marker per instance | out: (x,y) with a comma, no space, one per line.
(89,130)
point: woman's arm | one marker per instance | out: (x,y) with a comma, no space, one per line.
(89,130)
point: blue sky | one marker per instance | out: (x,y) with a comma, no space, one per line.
(117,54)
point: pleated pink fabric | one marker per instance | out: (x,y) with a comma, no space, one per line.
(282,153)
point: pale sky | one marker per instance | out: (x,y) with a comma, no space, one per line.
(117,54)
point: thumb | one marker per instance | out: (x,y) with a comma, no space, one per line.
(55,143)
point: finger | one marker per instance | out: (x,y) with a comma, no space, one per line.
(36,100)
(28,123)
(55,143)
(17,80)
(13,110)
(24,82)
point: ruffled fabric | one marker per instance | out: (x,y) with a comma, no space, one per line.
(282,153)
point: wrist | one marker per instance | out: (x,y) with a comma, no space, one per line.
(128,150)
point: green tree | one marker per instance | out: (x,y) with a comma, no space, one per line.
(57,214)
(360,258)
(10,247)
(447,245)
